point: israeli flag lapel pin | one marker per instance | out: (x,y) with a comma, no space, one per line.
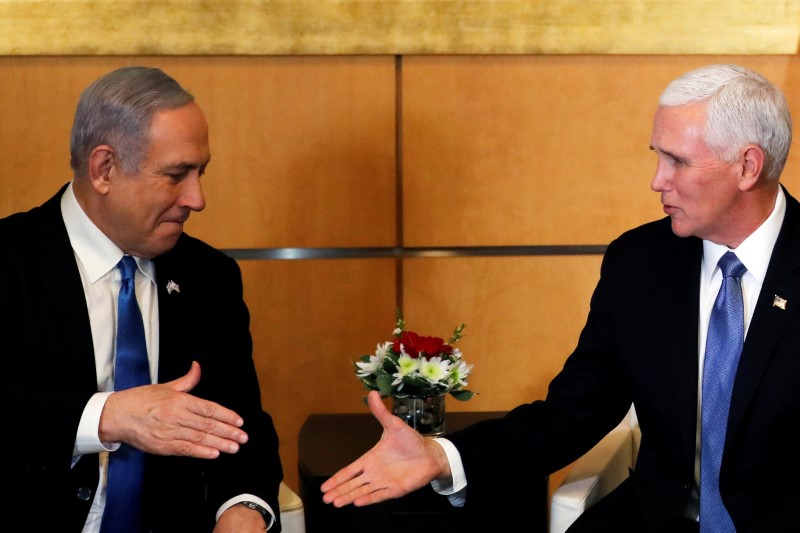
(172,287)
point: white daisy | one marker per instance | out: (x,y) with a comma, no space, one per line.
(405,366)
(375,361)
(459,373)
(435,369)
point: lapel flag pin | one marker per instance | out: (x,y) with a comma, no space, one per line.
(172,286)
(779,302)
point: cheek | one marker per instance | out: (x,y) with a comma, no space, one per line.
(155,208)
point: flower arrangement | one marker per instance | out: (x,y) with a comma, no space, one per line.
(413,365)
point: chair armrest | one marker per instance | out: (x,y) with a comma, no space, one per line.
(591,477)
(292,512)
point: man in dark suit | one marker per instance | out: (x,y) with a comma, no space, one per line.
(722,135)
(139,147)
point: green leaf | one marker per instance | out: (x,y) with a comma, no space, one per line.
(384,383)
(390,363)
(462,395)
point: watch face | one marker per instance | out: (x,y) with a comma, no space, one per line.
(254,506)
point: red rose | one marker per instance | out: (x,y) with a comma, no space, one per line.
(415,345)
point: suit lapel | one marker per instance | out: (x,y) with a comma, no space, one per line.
(769,320)
(173,312)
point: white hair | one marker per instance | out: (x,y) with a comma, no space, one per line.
(743,107)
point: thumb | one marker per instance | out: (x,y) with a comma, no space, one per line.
(379,410)
(188,381)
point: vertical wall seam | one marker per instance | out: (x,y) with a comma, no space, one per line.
(398,165)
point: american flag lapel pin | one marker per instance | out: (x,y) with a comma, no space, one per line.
(172,286)
(779,302)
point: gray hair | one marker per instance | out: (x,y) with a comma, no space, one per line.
(117,110)
(743,107)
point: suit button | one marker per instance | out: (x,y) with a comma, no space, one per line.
(84,494)
(687,486)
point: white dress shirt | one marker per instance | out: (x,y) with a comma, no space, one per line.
(97,257)
(754,252)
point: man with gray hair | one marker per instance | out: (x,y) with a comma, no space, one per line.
(694,321)
(129,371)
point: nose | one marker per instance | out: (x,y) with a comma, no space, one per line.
(661,178)
(192,194)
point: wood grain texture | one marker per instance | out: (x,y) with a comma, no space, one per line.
(257,27)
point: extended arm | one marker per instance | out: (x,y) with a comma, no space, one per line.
(402,461)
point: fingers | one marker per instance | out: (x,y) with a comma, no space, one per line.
(199,428)
(215,426)
(346,486)
(211,411)
(355,491)
(341,477)
(160,419)
(352,486)
(210,434)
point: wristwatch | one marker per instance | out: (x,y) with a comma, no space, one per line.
(256,507)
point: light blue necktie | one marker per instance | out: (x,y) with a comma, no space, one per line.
(723,347)
(131,369)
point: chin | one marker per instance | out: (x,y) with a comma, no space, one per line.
(163,246)
(680,230)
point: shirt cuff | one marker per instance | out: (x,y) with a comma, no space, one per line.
(87,439)
(247,498)
(454,487)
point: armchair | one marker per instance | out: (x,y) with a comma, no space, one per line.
(291,509)
(596,473)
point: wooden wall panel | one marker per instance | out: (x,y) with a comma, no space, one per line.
(37,103)
(310,320)
(302,148)
(516,150)
(303,152)
(522,315)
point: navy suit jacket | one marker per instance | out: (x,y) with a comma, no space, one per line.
(49,375)
(640,345)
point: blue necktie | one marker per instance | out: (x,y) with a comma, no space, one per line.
(131,369)
(723,347)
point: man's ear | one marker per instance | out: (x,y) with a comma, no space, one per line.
(752,160)
(102,166)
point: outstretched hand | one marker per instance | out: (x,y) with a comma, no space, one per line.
(164,419)
(402,461)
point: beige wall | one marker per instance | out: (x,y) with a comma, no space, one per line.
(385,151)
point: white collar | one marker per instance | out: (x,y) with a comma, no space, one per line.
(755,251)
(98,254)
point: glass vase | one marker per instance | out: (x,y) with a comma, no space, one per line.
(423,413)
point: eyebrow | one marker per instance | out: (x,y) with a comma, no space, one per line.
(665,152)
(183,166)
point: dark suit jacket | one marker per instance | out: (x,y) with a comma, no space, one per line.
(640,345)
(49,375)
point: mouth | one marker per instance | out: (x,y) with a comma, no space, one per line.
(174,225)
(179,220)
(670,209)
